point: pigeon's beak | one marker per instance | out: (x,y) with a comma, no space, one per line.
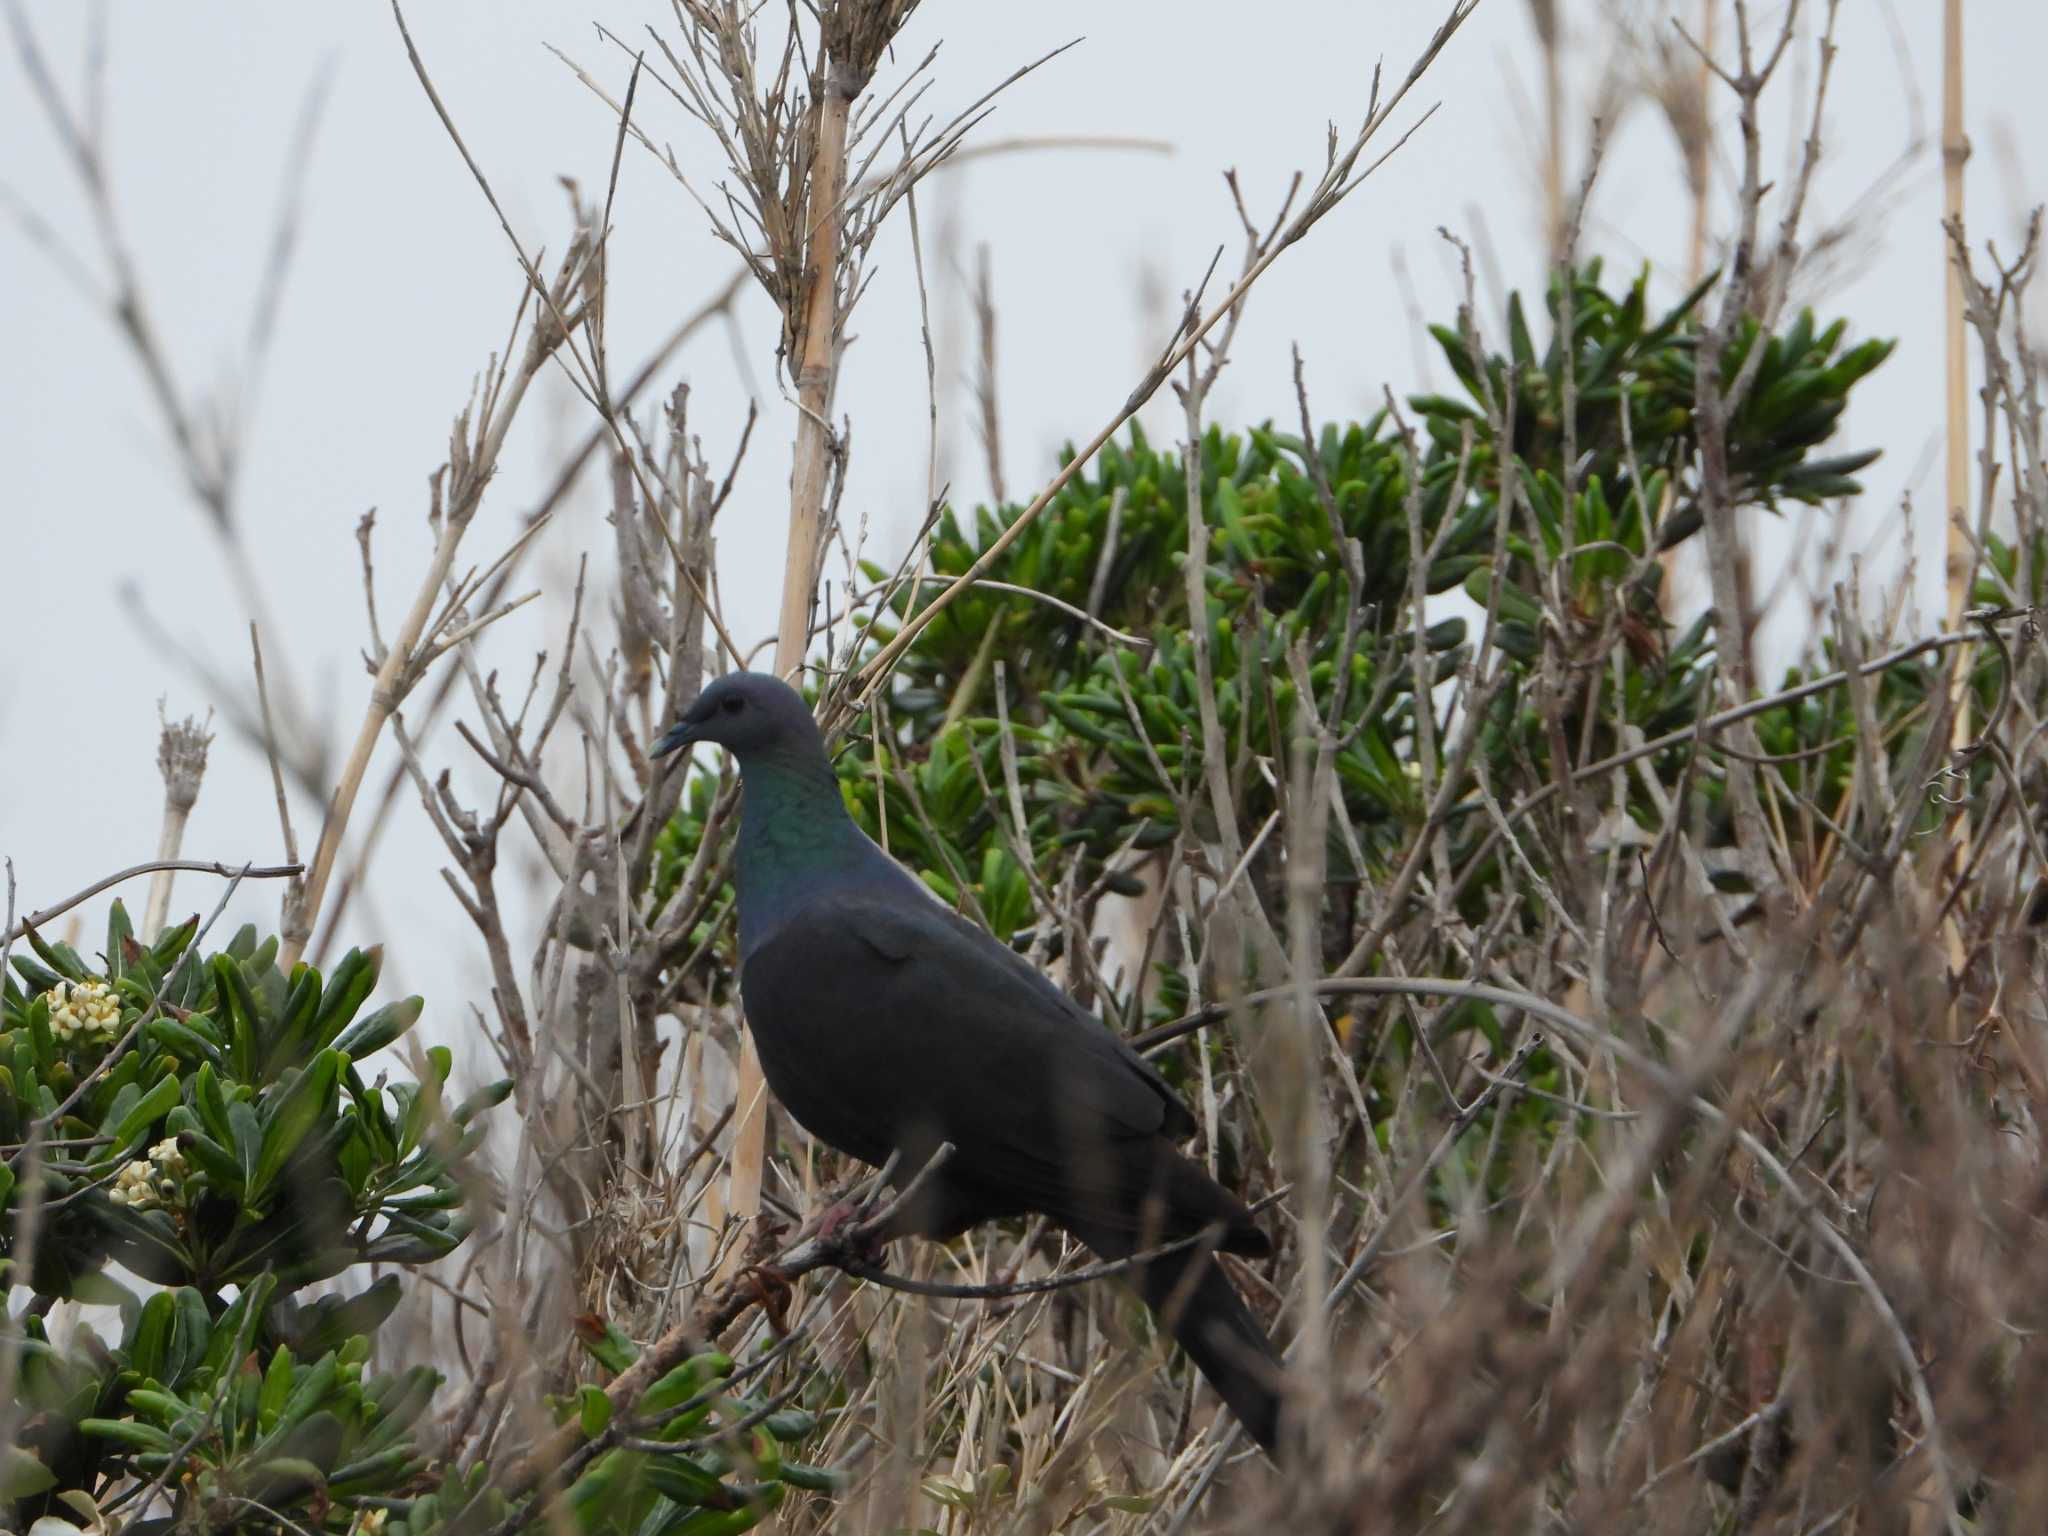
(681,734)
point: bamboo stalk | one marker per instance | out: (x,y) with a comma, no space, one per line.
(817,370)
(1955,152)
(1696,149)
(1548,23)
(1696,152)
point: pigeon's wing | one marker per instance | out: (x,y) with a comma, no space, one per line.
(884,1022)
(1133,1094)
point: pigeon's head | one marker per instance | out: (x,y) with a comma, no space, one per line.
(747,713)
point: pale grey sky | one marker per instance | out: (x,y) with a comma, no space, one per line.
(404,285)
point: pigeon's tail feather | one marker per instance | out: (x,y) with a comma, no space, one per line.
(1196,1201)
(1220,1335)
(1194,1301)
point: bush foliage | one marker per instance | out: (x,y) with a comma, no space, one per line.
(193,1143)
(1106,736)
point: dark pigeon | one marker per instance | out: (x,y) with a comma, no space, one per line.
(887,1025)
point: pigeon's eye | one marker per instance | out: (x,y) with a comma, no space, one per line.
(732,705)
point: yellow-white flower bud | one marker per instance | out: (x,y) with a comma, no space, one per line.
(133,1187)
(85,1011)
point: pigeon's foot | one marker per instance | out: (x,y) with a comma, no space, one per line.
(772,1290)
(840,1228)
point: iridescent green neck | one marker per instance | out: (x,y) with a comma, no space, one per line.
(796,840)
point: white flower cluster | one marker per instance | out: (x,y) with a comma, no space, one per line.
(85,1011)
(146,1181)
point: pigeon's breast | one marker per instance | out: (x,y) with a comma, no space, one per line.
(775,895)
(815,1030)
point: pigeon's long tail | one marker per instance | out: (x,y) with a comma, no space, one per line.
(1194,1300)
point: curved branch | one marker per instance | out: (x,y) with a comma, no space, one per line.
(1003,1291)
(196,866)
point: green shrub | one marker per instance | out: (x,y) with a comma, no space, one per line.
(202,1123)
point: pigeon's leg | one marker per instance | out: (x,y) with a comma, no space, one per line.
(840,1225)
(922,1205)
(838,1216)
